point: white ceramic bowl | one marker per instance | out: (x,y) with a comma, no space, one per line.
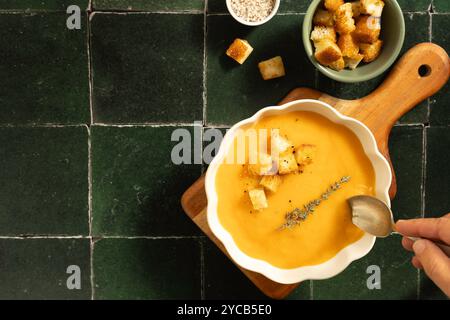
(256,23)
(343,258)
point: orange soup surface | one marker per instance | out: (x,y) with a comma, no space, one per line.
(323,233)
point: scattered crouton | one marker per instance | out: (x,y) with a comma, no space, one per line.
(327,52)
(272,68)
(368,29)
(333,5)
(260,165)
(323,18)
(337,65)
(258,199)
(279,143)
(271,182)
(305,154)
(371,51)
(348,45)
(287,163)
(239,50)
(356,8)
(353,62)
(372,7)
(344,19)
(323,33)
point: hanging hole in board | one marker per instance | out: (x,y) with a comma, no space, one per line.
(424,70)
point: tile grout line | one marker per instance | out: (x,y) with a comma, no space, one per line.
(143,12)
(205,63)
(90,69)
(24,237)
(311,289)
(204,96)
(148,124)
(91,242)
(424,147)
(91,111)
(423,192)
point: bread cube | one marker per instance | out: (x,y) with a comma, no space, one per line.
(305,154)
(338,65)
(323,33)
(272,68)
(344,19)
(371,51)
(367,30)
(356,8)
(353,62)
(323,18)
(239,50)
(372,7)
(287,163)
(348,45)
(260,164)
(279,143)
(333,5)
(271,183)
(327,52)
(258,199)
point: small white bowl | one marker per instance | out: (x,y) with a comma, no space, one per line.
(344,257)
(256,23)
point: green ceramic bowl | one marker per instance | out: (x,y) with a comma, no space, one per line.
(392,33)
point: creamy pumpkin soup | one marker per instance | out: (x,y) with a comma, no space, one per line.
(295,213)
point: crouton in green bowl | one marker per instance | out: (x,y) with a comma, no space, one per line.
(353,41)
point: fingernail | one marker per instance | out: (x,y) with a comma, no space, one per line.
(419,246)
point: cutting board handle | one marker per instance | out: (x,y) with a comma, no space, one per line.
(419,74)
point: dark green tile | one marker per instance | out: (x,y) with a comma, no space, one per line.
(428,290)
(302,292)
(238,91)
(136,187)
(41,5)
(148,5)
(439,107)
(223,280)
(418,29)
(346,90)
(297,6)
(406,150)
(415,5)
(144,75)
(437,202)
(147,269)
(398,276)
(441,5)
(44,70)
(217,6)
(436,193)
(37,268)
(44,174)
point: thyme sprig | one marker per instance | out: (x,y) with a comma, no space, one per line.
(298,215)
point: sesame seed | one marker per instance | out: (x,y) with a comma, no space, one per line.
(252,10)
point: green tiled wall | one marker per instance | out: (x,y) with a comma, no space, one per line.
(86,118)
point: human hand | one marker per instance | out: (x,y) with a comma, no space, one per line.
(428,256)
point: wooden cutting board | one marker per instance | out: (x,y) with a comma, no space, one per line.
(419,74)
